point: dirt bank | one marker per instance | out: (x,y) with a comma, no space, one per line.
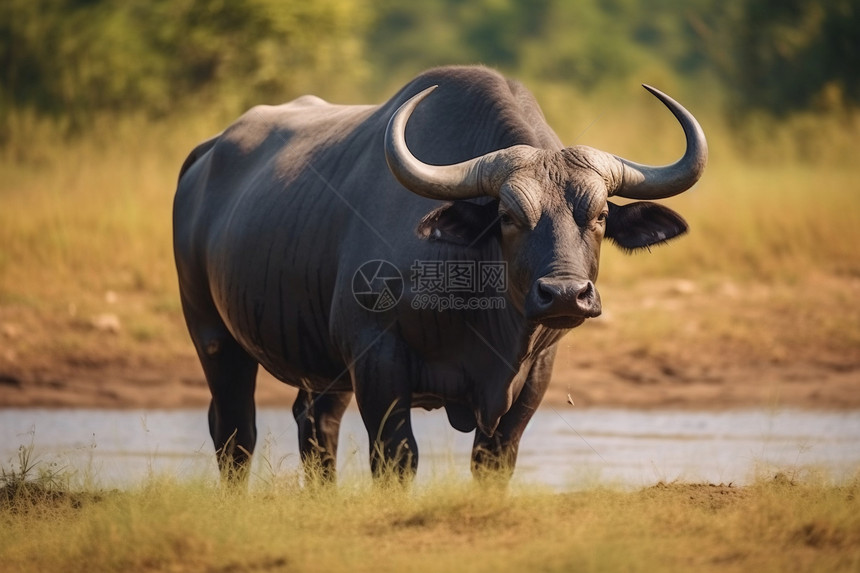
(632,382)
(675,344)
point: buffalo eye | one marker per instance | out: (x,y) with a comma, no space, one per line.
(506,219)
(599,222)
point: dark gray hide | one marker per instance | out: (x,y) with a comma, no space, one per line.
(274,216)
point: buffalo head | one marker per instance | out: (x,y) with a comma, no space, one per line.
(552,209)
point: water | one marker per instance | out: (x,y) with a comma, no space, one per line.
(563,447)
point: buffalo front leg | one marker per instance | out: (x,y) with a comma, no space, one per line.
(318,418)
(494,457)
(384,399)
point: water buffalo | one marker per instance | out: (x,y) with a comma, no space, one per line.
(298,232)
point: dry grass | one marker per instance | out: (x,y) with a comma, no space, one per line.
(774,525)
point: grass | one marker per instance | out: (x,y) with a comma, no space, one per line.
(31,482)
(776,524)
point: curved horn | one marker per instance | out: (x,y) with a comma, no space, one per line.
(647,182)
(473,178)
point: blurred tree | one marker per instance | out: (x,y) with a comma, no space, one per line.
(73,58)
(794,54)
(584,43)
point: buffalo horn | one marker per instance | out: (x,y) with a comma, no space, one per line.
(647,182)
(473,178)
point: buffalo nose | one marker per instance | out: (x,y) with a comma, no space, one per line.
(552,298)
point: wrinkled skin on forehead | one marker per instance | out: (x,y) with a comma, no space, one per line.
(553,217)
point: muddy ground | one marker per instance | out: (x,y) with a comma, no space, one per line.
(635,383)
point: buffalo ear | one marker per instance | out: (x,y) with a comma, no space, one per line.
(461,223)
(642,224)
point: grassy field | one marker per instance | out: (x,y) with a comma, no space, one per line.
(770,271)
(777,524)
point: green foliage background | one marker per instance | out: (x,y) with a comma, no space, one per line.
(72,59)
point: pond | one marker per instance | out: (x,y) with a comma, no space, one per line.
(563,447)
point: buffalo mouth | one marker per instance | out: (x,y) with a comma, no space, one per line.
(561,322)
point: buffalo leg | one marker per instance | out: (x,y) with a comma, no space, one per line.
(494,457)
(384,400)
(318,418)
(231,374)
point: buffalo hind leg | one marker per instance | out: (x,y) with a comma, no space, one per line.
(318,418)
(232,375)
(494,457)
